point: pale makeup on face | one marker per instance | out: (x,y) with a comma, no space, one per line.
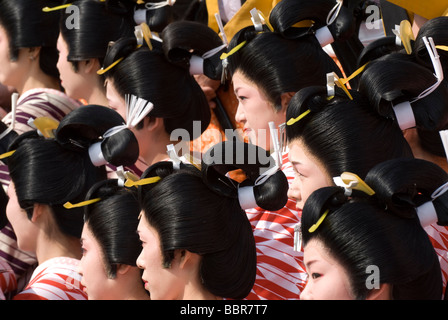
(162,283)
(310,174)
(327,278)
(254,111)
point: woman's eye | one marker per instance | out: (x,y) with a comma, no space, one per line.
(315,275)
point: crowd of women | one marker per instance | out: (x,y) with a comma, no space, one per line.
(121,180)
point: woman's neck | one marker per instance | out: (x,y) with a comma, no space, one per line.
(60,246)
(38,80)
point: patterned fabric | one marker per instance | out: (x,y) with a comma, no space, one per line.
(281,273)
(55,279)
(8,281)
(31,104)
(439,238)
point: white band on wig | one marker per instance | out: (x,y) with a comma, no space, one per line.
(140,16)
(196,65)
(427,214)
(96,154)
(246,197)
(405,115)
(324,36)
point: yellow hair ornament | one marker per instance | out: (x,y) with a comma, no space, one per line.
(294,120)
(354,74)
(46,126)
(404,35)
(141,182)
(444,48)
(103,71)
(69,205)
(238,47)
(319,222)
(147,35)
(6,154)
(48,9)
(350,181)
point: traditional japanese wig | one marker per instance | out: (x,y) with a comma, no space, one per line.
(383,229)
(344,134)
(99,23)
(158,75)
(27,26)
(113,222)
(57,170)
(283,60)
(206,218)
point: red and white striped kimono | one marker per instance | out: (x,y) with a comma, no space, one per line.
(281,273)
(54,279)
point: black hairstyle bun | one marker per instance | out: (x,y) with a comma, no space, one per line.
(87,125)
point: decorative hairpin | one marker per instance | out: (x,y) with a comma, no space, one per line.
(123,176)
(221,29)
(323,34)
(69,205)
(45,126)
(158,5)
(48,9)
(403,111)
(143,33)
(350,181)
(197,62)
(136,109)
(319,222)
(131,183)
(104,70)
(298,237)
(258,20)
(404,35)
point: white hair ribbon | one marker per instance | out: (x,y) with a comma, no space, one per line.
(403,111)
(197,62)
(158,5)
(221,29)
(136,110)
(246,197)
(435,59)
(427,212)
(323,34)
(276,155)
(404,115)
(256,19)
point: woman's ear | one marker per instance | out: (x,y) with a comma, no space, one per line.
(123,268)
(186,259)
(286,97)
(33,53)
(383,293)
(38,211)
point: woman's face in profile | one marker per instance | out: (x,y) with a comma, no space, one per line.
(327,278)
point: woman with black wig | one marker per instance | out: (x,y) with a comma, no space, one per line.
(82,48)
(268,63)
(366,238)
(51,172)
(28,58)
(205,248)
(159,72)
(110,243)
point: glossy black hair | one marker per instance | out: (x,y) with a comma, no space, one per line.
(280,61)
(113,222)
(344,134)
(361,231)
(164,81)
(98,24)
(57,170)
(206,216)
(27,26)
